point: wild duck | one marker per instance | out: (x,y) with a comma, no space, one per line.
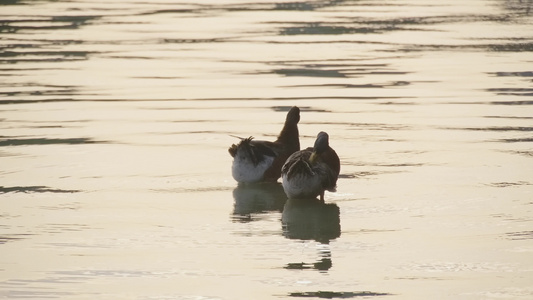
(257,161)
(310,172)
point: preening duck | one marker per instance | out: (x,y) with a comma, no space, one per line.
(256,161)
(310,172)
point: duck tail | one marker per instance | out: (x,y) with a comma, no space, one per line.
(233,150)
(244,143)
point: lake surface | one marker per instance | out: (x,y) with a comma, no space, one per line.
(116,116)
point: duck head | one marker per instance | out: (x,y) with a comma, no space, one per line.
(293,116)
(321,145)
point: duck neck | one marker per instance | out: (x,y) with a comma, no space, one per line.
(289,135)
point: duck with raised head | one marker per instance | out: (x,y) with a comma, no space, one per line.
(310,172)
(259,161)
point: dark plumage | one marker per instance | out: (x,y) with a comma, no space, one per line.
(310,172)
(255,160)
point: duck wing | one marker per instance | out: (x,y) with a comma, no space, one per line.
(254,149)
(298,163)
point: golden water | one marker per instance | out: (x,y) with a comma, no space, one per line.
(116,117)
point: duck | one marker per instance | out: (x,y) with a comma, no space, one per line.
(261,161)
(310,172)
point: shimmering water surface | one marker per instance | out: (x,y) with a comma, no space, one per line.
(116,117)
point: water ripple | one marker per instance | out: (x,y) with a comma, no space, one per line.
(33,189)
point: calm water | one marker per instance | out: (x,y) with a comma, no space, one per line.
(116,117)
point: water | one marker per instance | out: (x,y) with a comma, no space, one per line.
(116,117)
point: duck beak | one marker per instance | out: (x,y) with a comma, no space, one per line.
(313,157)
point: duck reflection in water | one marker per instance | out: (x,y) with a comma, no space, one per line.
(312,219)
(253,199)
